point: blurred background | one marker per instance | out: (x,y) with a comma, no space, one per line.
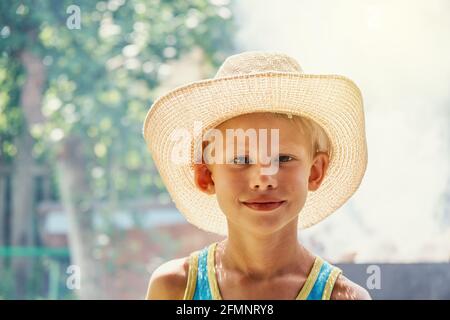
(78,187)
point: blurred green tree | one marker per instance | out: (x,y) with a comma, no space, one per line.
(76,81)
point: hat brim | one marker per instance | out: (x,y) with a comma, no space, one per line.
(332,101)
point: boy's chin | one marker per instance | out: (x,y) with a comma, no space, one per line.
(265,225)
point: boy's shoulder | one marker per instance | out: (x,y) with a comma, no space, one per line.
(345,289)
(168,281)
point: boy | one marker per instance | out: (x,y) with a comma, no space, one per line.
(317,158)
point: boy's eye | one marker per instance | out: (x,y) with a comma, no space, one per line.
(246,160)
(241,160)
(286,158)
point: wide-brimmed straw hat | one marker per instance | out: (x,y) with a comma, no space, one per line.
(251,82)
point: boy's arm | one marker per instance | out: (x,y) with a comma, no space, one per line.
(345,289)
(168,281)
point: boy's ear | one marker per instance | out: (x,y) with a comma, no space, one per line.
(319,167)
(203,178)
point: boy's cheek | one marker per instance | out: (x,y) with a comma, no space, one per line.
(296,176)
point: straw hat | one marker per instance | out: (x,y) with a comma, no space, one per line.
(250,82)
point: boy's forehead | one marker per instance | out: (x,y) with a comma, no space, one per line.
(290,137)
(287,130)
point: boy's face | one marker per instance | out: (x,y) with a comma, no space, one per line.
(235,185)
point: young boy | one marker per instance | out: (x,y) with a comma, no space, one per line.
(312,128)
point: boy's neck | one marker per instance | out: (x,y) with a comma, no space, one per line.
(258,257)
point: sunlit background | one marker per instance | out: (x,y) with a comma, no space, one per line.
(78,187)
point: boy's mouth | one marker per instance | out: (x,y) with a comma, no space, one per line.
(264,206)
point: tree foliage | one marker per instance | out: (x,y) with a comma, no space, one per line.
(101,78)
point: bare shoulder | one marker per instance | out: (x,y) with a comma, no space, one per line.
(345,289)
(169,280)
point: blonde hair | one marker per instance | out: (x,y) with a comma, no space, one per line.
(317,136)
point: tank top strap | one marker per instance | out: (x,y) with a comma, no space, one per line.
(335,272)
(198,283)
(192,276)
(202,291)
(211,269)
(311,279)
(323,286)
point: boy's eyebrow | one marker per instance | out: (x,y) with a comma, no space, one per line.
(281,145)
(297,150)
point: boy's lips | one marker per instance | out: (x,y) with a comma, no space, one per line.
(264,205)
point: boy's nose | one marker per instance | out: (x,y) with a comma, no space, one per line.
(261,181)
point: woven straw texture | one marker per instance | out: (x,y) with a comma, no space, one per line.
(260,82)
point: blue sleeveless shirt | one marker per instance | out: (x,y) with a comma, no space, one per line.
(202,283)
